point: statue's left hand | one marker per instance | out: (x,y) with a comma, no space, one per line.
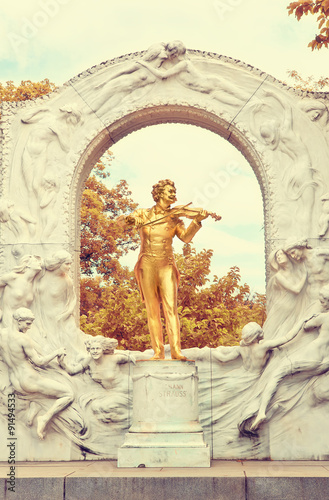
(203,214)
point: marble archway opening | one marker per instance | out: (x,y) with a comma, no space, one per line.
(48,148)
(209,172)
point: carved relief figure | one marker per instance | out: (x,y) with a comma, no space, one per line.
(17,287)
(316,261)
(235,384)
(190,77)
(312,359)
(57,302)
(49,205)
(318,112)
(102,365)
(127,81)
(300,178)
(18,351)
(324,217)
(286,294)
(253,349)
(156,271)
(50,138)
(18,221)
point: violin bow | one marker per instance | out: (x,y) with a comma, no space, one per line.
(152,222)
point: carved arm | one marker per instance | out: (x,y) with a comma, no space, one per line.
(288,285)
(225,354)
(32,354)
(167,73)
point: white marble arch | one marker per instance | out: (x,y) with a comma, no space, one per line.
(49,146)
(263,118)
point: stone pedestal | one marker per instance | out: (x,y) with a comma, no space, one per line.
(166,431)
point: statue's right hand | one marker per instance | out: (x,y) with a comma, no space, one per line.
(129,220)
(134,221)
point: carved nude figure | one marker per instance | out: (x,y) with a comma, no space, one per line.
(18,221)
(286,294)
(48,203)
(130,79)
(312,359)
(57,302)
(299,178)
(253,349)
(111,405)
(189,76)
(324,217)
(19,352)
(51,136)
(316,261)
(102,364)
(17,286)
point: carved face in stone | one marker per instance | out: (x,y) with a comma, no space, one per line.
(96,350)
(315,114)
(65,267)
(35,263)
(295,253)
(324,299)
(24,324)
(168,194)
(281,257)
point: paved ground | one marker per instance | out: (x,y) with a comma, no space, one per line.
(219,468)
(224,480)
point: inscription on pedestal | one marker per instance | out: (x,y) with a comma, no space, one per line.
(166,430)
(173,391)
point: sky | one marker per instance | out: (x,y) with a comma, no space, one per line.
(57,39)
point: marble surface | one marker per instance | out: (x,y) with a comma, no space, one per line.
(267,397)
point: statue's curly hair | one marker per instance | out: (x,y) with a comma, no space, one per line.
(158,188)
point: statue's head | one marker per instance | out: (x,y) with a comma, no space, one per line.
(316,110)
(278,258)
(160,187)
(157,50)
(58,259)
(71,113)
(29,262)
(251,332)
(295,249)
(269,132)
(24,318)
(176,48)
(99,345)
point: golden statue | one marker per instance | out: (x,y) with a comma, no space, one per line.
(156,271)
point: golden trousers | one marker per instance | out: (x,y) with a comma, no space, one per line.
(158,282)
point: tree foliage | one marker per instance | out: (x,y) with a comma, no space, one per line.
(320,8)
(103,241)
(210,314)
(309,83)
(27,90)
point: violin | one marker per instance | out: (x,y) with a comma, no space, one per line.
(184,211)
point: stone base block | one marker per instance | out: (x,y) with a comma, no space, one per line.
(164,440)
(164,457)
